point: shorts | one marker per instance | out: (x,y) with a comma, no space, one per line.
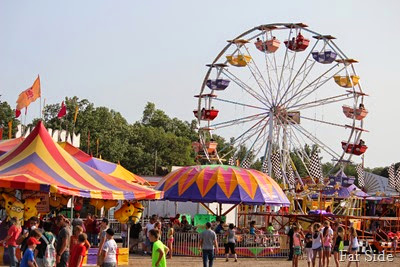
(231,247)
(297,250)
(336,249)
(170,240)
(327,248)
(309,253)
(317,249)
(354,249)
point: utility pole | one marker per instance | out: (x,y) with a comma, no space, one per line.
(155,163)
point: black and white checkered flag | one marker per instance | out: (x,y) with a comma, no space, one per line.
(232,161)
(360,174)
(392,177)
(245,163)
(397,180)
(276,165)
(264,166)
(290,175)
(315,168)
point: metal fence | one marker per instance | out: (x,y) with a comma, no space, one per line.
(252,246)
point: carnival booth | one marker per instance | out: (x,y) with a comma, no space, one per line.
(225,184)
(39,165)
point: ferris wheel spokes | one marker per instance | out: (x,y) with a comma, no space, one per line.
(240,120)
(245,87)
(323,101)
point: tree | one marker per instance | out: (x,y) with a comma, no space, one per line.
(7,114)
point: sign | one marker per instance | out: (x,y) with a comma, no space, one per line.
(43,206)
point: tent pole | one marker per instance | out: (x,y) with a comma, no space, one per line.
(128,235)
(230,209)
(72,207)
(208,209)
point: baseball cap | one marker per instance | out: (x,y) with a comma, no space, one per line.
(32,241)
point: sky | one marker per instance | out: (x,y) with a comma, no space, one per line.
(123,54)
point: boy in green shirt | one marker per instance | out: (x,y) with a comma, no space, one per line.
(159,250)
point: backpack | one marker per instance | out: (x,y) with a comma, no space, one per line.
(49,257)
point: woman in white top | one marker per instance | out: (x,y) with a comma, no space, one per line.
(353,247)
(317,244)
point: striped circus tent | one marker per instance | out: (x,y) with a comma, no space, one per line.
(107,167)
(9,144)
(222,184)
(40,164)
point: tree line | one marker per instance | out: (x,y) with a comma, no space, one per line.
(149,146)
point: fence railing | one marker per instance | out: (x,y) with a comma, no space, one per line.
(254,246)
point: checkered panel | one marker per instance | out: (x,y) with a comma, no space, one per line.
(246,163)
(264,166)
(397,180)
(232,160)
(315,168)
(360,174)
(276,165)
(392,177)
(290,175)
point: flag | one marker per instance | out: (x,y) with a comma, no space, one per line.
(1,133)
(17,113)
(62,111)
(76,113)
(392,177)
(315,168)
(29,95)
(264,166)
(360,174)
(276,165)
(10,129)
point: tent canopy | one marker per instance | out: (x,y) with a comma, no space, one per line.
(107,167)
(39,163)
(9,144)
(222,184)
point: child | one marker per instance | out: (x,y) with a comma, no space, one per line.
(159,250)
(338,244)
(353,247)
(170,239)
(230,242)
(317,244)
(327,242)
(78,230)
(296,246)
(394,244)
(78,252)
(308,247)
(109,251)
(28,260)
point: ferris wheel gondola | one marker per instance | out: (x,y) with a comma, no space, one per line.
(274,100)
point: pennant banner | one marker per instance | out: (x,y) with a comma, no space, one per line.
(392,177)
(276,165)
(63,111)
(264,167)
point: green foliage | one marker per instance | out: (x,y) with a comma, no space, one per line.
(7,114)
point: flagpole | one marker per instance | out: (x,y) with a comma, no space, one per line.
(40,111)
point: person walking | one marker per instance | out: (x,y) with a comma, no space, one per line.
(327,244)
(147,244)
(290,241)
(296,246)
(89,228)
(109,250)
(78,252)
(353,247)
(308,247)
(170,239)
(47,239)
(11,240)
(159,250)
(317,244)
(338,244)
(231,242)
(208,242)
(63,242)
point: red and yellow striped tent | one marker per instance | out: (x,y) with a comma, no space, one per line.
(9,144)
(40,164)
(107,167)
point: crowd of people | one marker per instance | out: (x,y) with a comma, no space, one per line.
(59,242)
(321,241)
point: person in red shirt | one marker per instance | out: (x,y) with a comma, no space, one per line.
(11,240)
(78,253)
(75,238)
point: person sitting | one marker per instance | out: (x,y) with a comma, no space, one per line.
(185,224)
(220,227)
(361,142)
(270,229)
(252,227)
(259,44)
(361,106)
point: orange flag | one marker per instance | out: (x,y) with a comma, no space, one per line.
(10,123)
(29,95)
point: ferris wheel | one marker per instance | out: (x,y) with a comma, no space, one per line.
(277,90)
